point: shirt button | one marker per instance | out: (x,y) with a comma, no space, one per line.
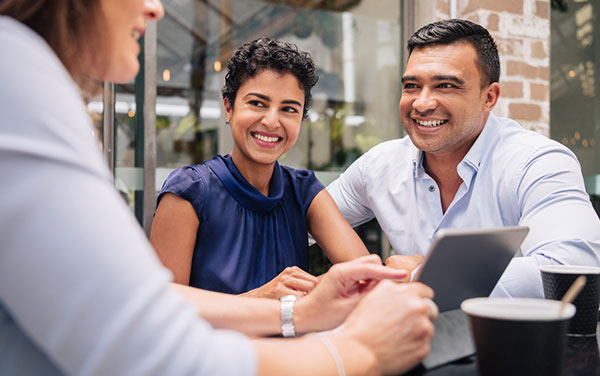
(431,188)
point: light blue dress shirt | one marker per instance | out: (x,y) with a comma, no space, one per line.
(511,176)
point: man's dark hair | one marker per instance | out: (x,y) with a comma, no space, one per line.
(455,30)
(265,53)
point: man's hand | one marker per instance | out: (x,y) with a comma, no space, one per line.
(408,263)
(338,292)
(291,281)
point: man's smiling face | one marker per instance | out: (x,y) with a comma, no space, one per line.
(444,105)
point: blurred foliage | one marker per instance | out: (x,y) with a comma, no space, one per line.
(162,122)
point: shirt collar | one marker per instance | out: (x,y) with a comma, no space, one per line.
(469,166)
(417,161)
(481,146)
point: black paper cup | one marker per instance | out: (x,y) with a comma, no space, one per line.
(518,336)
(558,278)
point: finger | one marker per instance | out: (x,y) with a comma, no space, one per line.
(300,285)
(370,259)
(404,262)
(301,274)
(403,280)
(298,273)
(397,262)
(367,286)
(419,289)
(434,311)
(394,258)
(283,290)
(361,287)
(364,271)
(380,272)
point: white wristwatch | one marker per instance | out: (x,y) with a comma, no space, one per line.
(287,315)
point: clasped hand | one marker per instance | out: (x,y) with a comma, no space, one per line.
(291,281)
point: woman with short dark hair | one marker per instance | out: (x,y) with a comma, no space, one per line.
(239,223)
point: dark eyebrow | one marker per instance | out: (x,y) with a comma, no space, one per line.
(449,78)
(266,98)
(291,101)
(436,78)
(261,96)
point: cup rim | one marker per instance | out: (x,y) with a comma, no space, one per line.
(470,306)
(570,269)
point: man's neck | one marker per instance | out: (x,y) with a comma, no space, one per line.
(442,167)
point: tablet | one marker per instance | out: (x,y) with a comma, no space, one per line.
(467,263)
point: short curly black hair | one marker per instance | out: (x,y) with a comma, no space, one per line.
(265,53)
(457,30)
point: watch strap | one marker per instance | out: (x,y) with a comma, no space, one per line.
(287,315)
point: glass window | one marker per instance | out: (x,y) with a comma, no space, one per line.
(127,153)
(356,46)
(574,99)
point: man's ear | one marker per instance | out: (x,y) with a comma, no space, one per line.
(491,96)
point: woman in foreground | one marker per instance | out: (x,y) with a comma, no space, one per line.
(81,290)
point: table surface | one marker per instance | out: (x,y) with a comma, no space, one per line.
(581,358)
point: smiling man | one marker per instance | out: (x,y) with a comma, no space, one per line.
(462,167)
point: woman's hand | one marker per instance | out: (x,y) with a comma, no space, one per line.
(340,289)
(291,281)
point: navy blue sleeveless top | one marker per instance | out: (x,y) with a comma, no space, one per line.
(244,238)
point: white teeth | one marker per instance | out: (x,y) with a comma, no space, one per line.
(430,123)
(136,34)
(265,138)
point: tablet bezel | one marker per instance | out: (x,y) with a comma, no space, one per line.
(457,268)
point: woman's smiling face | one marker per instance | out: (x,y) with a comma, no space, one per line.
(265,118)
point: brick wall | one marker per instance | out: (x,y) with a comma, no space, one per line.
(521,29)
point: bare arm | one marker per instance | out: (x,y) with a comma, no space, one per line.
(251,316)
(332,232)
(326,307)
(173,235)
